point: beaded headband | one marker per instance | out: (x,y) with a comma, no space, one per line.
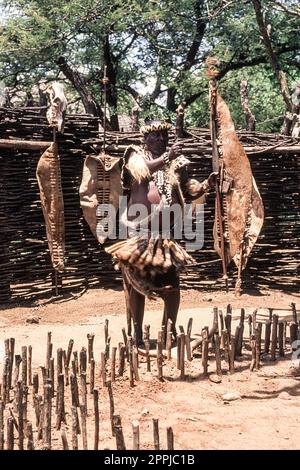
(155,127)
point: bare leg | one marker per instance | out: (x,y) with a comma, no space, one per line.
(135,306)
(171,301)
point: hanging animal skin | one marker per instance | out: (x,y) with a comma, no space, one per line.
(57,106)
(100,185)
(49,180)
(242,205)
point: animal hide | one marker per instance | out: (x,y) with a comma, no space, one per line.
(100,184)
(49,181)
(242,204)
(58,105)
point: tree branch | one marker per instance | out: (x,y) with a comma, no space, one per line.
(272,57)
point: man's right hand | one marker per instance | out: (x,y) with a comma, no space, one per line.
(175,151)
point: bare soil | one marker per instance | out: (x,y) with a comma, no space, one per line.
(264,417)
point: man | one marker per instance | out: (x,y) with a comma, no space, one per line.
(154,179)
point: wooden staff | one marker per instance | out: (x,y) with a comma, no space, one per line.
(170,439)
(74,427)
(155,433)
(96,417)
(90,337)
(135,435)
(118,431)
(111,405)
(113,364)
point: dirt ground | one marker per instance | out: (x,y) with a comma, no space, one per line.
(264,416)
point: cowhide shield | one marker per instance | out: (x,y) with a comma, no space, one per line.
(242,202)
(49,181)
(100,184)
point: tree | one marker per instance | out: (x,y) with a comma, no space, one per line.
(154,51)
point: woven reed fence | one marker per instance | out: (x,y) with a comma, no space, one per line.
(25,268)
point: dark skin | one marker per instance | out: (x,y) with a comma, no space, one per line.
(147,193)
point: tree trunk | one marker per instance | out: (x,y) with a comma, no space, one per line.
(89,103)
(281,77)
(112,94)
(250,118)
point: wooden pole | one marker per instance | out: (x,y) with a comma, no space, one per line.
(2,407)
(129,349)
(74,427)
(83,415)
(18,361)
(280,339)
(253,352)
(12,342)
(118,431)
(92,375)
(170,439)
(274,337)
(60,412)
(135,363)
(24,365)
(30,365)
(147,346)
(90,338)
(267,336)
(136,435)
(113,364)
(103,369)
(29,434)
(96,417)
(64,439)
(19,407)
(10,434)
(46,432)
(5,380)
(258,345)
(83,360)
(218,355)
(111,405)
(159,356)
(232,355)
(121,359)
(205,352)
(83,389)
(155,434)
